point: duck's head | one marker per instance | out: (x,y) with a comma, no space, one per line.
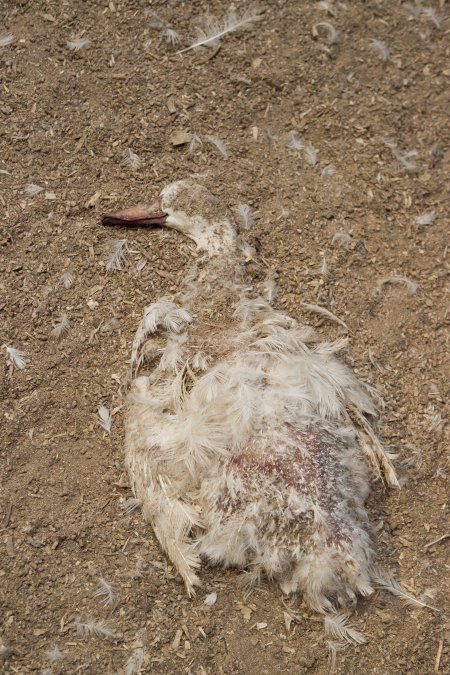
(185,206)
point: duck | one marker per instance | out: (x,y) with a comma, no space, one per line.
(249,442)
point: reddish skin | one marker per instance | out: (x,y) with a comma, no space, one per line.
(306,474)
(137,216)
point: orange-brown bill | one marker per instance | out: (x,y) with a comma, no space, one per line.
(137,216)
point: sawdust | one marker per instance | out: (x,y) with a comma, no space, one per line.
(68,118)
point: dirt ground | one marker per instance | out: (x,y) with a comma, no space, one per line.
(67,118)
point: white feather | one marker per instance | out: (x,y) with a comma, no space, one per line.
(426,218)
(311,154)
(337,626)
(106,592)
(195,142)
(32,189)
(245,215)
(67,279)
(88,627)
(61,327)
(105,416)
(294,142)
(333,34)
(80,43)
(135,662)
(327,7)
(131,159)
(171,35)
(328,171)
(220,145)
(141,264)
(210,599)
(54,654)
(16,357)
(131,505)
(381,49)
(116,255)
(387,583)
(213,31)
(410,285)
(6,39)
(342,238)
(325,312)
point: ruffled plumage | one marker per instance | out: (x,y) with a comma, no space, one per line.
(248,441)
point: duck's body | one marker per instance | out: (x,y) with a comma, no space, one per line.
(247,443)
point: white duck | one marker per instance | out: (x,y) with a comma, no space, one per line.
(247,440)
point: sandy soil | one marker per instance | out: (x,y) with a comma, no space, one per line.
(66,119)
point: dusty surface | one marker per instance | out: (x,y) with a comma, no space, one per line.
(66,119)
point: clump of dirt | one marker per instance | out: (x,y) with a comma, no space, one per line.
(333,219)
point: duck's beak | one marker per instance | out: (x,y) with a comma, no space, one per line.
(137,216)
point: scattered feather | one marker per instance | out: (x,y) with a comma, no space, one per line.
(131,505)
(270,288)
(62,326)
(105,590)
(91,627)
(381,49)
(220,145)
(6,39)
(386,582)
(4,172)
(248,252)
(210,599)
(80,43)
(374,361)
(140,265)
(333,34)
(32,189)
(324,269)
(116,256)
(410,285)
(429,594)
(294,142)
(328,171)
(139,568)
(311,154)
(333,649)
(327,7)
(171,36)
(405,160)
(105,416)
(403,157)
(434,418)
(131,159)
(426,218)
(213,31)
(338,627)
(16,357)
(166,28)
(432,16)
(66,279)
(245,215)
(342,238)
(325,312)
(195,142)
(54,654)
(135,662)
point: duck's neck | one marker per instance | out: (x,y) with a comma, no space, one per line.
(211,294)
